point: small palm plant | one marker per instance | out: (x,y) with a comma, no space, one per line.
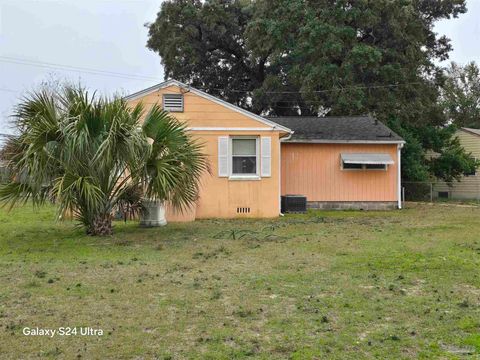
(86,153)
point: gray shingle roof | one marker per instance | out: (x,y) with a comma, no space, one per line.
(337,128)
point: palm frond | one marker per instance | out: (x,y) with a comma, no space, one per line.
(88,153)
(176,161)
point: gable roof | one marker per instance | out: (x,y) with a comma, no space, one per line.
(203,94)
(340,129)
(472,131)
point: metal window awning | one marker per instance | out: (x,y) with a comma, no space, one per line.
(372,159)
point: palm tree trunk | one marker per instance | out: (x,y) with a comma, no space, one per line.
(101,226)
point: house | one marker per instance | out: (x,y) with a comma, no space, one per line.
(341,162)
(349,162)
(469,186)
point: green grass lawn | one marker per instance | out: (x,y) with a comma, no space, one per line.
(340,285)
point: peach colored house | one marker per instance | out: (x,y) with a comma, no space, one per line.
(348,162)
(254,159)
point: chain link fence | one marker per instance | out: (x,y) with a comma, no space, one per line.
(429,191)
(418,191)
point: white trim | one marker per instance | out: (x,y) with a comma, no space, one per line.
(469,131)
(399,175)
(288,137)
(280,178)
(171,82)
(379,142)
(146,91)
(285,139)
(257,155)
(233,176)
(206,128)
(245,177)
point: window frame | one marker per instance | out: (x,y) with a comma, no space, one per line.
(252,176)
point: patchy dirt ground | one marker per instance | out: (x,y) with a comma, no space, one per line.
(340,285)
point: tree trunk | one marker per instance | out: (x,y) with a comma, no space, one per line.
(101,226)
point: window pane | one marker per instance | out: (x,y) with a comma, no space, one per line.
(243,147)
(244,165)
(375,166)
(352,166)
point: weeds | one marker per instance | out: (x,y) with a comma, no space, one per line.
(313,286)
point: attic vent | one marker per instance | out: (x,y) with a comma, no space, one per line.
(243,210)
(173,102)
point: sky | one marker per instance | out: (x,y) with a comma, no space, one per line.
(101,43)
(38,38)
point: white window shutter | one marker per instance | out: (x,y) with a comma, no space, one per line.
(223,156)
(266,154)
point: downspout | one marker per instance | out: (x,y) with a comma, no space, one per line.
(399,175)
(280,172)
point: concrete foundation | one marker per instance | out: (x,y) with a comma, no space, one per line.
(352,205)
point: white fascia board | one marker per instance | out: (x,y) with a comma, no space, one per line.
(469,131)
(148,90)
(203,94)
(399,175)
(206,128)
(344,142)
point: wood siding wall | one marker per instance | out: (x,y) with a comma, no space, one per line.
(200,112)
(220,196)
(469,186)
(314,170)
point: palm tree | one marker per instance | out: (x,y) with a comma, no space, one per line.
(86,153)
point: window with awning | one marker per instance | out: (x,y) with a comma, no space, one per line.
(367,161)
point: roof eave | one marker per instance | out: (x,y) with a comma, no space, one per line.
(149,90)
(469,131)
(320,141)
(203,94)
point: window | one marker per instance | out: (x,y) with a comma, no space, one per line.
(443,194)
(352,166)
(375,166)
(349,166)
(244,156)
(173,102)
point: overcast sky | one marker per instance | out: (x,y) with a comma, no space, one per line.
(104,40)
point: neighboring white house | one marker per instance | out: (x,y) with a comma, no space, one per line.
(469,186)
